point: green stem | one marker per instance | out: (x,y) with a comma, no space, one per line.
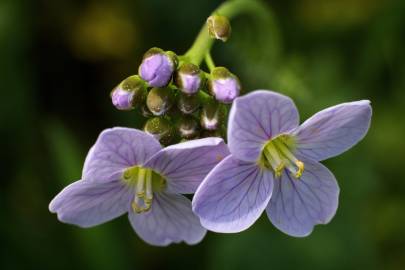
(209,61)
(230,9)
(203,96)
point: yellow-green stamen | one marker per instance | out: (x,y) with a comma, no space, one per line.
(144,181)
(274,159)
(277,155)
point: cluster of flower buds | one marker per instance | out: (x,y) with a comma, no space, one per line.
(180,100)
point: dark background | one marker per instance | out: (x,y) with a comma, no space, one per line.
(60,59)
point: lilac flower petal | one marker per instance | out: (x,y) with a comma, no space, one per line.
(185,165)
(115,150)
(296,206)
(86,203)
(333,130)
(170,220)
(233,196)
(257,117)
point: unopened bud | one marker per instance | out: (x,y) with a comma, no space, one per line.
(161,129)
(157,67)
(219,27)
(145,111)
(211,115)
(188,127)
(224,85)
(189,78)
(160,100)
(188,104)
(129,93)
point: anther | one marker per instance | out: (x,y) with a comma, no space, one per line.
(136,207)
(292,163)
(278,170)
(279,156)
(300,170)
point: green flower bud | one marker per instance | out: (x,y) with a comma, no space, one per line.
(145,111)
(211,115)
(188,127)
(161,129)
(188,104)
(129,93)
(160,100)
(219,27)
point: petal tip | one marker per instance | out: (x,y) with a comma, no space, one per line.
(198,239)
(220,227)
(51,207)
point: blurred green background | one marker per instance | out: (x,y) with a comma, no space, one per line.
(60,59)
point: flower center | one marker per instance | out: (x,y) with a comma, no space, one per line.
(144,181)
(277,156)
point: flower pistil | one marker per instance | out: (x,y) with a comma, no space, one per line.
(144,181)
(277,155)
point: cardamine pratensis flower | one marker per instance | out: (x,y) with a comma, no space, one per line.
(274,165)
(224,85)
(157,67)
(128,171)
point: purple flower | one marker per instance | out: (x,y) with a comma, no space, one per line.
(274,165)
(157,68)
(128,171)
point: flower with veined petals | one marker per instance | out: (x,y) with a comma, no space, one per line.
(274,165)
(128,171)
